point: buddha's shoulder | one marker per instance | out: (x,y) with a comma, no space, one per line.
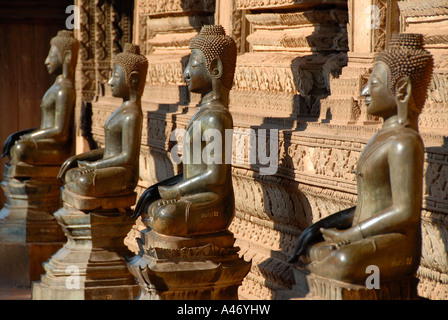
(216,109)
(130,107)
(407,134)
(406,138)
(64,85)
(217,117)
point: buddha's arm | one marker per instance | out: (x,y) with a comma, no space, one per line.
(12,138)
(210,180)
(215,175)
(152,194)
(130,145)
(63,118)
(72,162)
(405,159)
(339,220)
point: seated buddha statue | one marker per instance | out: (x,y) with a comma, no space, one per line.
(200,200)
(52,143)
(114,168)
(384,228)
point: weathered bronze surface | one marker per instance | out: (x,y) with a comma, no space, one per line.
(203,201)
(52,142)
(187,252)
(113,169)
(98,194)
(384,228)
(29,233)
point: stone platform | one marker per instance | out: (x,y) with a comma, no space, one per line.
(29,233)
(91,265)
(313,287)
(180,268)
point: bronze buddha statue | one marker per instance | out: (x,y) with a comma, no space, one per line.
(200,200)
(52,143)
(384,227)
(97,196)
(29,232)
(114,169)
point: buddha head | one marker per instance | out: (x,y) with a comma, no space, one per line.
(129,72)
(212,59)
(400,79)
(63,51)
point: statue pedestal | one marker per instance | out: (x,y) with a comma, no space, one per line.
(314,287)
(91,265)
(179,268)
(29,233)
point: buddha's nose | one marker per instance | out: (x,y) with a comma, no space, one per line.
(186,73)
(365,92)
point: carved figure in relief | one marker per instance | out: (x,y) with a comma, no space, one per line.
(52,142)
(384,228)
(201,199)
(114,168)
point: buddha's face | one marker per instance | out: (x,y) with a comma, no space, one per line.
(196,75)
(53,62)
(117,82)
(378,100)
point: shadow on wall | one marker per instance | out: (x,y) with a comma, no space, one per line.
(86,124)
(157,122)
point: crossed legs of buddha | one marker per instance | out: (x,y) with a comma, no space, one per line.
(348,262)
(200,213)
(41,152)
(99,182)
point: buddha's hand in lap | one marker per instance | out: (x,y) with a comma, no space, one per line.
(85,165)
(305,239)
(24,137)
(341,237)
(169,192)
(85,171)
(67,165)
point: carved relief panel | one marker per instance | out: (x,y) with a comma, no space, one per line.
(105,26)
(292,50)
(163,30)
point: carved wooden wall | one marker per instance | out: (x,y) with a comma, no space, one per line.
(301,67)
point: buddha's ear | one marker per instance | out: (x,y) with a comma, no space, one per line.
(67,57)
(403,96)
(216,68)
(134,80)
(403,90)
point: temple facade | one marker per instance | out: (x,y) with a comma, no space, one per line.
(300,123)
